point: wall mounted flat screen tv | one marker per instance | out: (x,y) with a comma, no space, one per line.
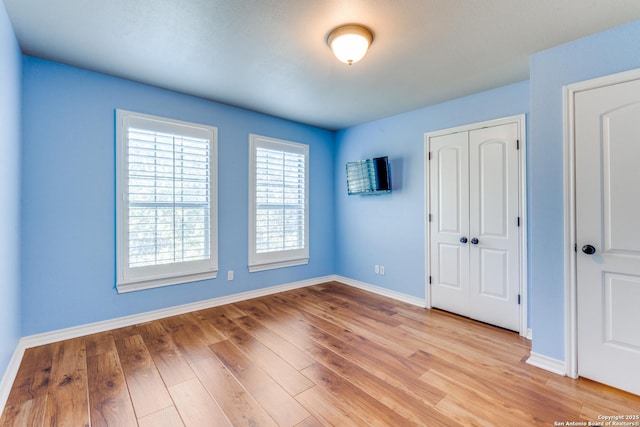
(369,176)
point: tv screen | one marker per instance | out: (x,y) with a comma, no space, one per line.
(369,176)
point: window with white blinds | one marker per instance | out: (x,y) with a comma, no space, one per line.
(166,205)
(278,205)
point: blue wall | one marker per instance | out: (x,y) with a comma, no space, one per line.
(389,229)
(10,62)
(68,201)
(605,53)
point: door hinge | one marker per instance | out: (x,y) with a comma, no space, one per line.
(429,155)
(518,221)
(429,217)
(518,299)
(429,279)
(517,144)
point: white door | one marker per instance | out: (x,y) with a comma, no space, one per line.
(474,202)
(494,269)
(607,156)
(449,222)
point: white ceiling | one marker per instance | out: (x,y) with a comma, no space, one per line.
(271,55)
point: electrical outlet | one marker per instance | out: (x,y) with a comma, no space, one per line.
(230,275)
(382,270)
(377,269)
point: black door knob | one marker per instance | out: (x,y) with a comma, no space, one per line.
(474,241)
(588,249)
(463,240)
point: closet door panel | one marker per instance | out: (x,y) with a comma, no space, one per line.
(493,221)
(449,200)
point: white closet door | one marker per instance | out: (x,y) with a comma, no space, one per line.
(494,273)
(449,177)
(474,239)
(607,125)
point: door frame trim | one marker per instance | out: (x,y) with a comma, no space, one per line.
(520,120)
(569,184)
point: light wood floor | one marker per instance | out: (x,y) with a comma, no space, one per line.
(324,355)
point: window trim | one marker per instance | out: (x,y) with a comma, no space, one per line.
(283,258)
(139,278)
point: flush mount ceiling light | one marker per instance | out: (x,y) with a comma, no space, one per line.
(350,42)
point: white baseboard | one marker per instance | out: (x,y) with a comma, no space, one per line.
(547,363)
(10,375)
(529,335)
(409,299)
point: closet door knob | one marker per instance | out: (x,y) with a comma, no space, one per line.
(475,241)
(588,249)
(463,240)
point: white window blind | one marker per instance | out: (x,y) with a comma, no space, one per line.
(167,212)
(278,203)
(169,198)
(280,196)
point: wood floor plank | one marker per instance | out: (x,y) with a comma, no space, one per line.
(33,377)
(500,382)
(284,335)
(283,373)
(359,297)
(283,408)
(283,323)
(26,403)
(328,409)
(592,410)
(276,342)
(479,336)
(470,406)
(109,400)
(218,317)
(173,368)
(398,400)
(195,405)
(378,332)
(310,421)
(147,390)
(364,405)
(208,334)
(189,323)
(333,302)
(231,311)
(238,404)
(167,417)
(99,343)
(447,349)
(28,413)
(392,368)
(595,394)
(67,400)
(190,341)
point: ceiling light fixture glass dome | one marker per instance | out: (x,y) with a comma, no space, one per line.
(350,43)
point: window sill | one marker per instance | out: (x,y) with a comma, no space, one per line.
(277,264)
(139,285)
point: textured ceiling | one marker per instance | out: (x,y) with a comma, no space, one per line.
(271,55)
